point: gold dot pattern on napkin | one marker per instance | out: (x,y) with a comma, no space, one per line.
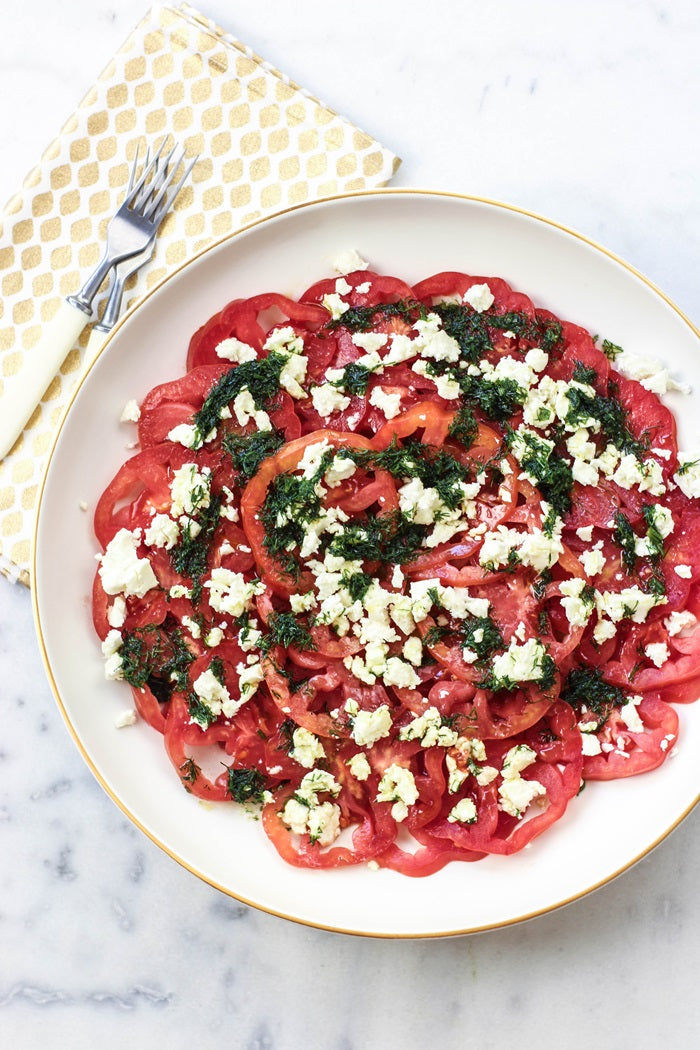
(265,144)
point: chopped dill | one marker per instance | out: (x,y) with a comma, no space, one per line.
(389,538)
(625,538)
(245,785)
(611,350)
(247,451)
(284,629)
(482,636)
(189,771)
(155,656)
(190,555)
(355,379)
(586,688)
(361,318)
(261,377)
(464,427)
(611,415)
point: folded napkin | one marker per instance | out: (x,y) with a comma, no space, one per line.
(264,144)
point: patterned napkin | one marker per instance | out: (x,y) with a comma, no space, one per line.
(264,144)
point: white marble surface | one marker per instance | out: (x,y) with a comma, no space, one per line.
(585,113)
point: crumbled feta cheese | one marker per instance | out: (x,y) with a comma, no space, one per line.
(178,590)
(293,374)
(359,766)
(590,745)
(630,715)
(684,571)
(229,593)
(593,561)
(304,814)
(110,650)
(249,678)
(674,624)
(578,609)
(370,342)
(479,297)
(520,663)
(515,793)
(190,489)
(128,717)
(603,631)
(234,350)
(340,470)
(389,404)
(434,342)
(192,626)
(428,728)
(649,372)
(348,261)
(585,533)
(307,749)
(186,434)
(300,603)
(687,476)
(657,652)
(131,413)
(413,650)
(214,637)
(630,603)
(398,785)
(327,399)
(121,570)
(335,305)
(369,726)
(244,409)
(463,813)
(116,613)
(162,532)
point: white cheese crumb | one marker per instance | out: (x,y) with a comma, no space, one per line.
(674,624)
(126,718)
(121,570)
(348,261)
(327,399)
(398,785)
(307,749)
(389,404)
(369,726)
(359,766)
(234,350)
(657,652)
(335,305)
(480,297)
(162,532)
(463,813)
(131,413)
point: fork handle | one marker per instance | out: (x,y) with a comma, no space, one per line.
(23,391)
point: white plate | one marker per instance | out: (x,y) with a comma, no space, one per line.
(411,235)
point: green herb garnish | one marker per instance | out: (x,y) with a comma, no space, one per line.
(246,785)
(247,451)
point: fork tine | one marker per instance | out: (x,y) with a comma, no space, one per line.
(152,208)
(166,205)
(136,197)
(135,167)
(175,190)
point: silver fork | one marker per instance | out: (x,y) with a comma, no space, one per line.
(132,229)
(131,233)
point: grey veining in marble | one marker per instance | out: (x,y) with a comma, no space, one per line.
(585,113)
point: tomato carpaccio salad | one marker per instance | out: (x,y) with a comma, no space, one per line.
(404,566)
